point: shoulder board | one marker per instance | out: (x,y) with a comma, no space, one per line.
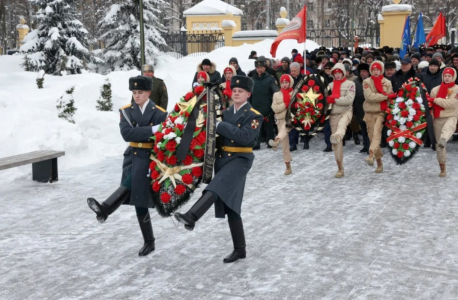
(126,106)
(160,108)
(255,111)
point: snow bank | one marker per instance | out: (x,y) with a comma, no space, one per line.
(28,115)
(397,7)
(212,7)
(255,33)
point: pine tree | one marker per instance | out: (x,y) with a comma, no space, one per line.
(121,33)
(105,104)
(59,44)
(40,79)
(66,105)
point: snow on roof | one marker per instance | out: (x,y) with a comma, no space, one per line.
(228,23)
(282,21)
(397,7)
(212,7)
(380,17)
(255,33)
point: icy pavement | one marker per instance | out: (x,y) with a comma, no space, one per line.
(309,236)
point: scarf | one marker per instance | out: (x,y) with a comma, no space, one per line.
(336,88)
(443,91)
(379,87)
(286,96)
(228,90)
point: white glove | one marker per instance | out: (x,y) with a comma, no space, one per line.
(155,128)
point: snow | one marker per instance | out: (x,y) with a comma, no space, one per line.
(380,17)
(309,235)
(396,7)
(212,7)
(282,8)
(228,23)
(255,33)
(282,21)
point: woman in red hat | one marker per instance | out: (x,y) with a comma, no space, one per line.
(280,103)
(225,87)
(377,91)
(445,105)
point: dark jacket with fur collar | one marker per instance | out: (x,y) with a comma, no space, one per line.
(215,76)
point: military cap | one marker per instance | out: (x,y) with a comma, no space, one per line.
(260,63)
(140,83)
(148,68)
(242,82)
(390,65)
(363,66)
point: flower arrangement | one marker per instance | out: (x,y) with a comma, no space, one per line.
(406,121)
(308,112)
(174,180)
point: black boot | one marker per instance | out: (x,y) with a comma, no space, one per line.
(238,238)
(293,148)
(196,211)
(110,205)
(148,235)
(306,144)
(356,138)
(364,150)
(328,149)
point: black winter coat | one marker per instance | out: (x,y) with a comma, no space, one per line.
(263,91)
(431,80)
(400,78)
(359,100)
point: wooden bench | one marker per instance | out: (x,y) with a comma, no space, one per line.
(44,164)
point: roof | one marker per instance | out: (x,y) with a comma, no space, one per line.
(212,7)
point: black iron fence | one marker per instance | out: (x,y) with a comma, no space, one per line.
(344,37)
(181,44)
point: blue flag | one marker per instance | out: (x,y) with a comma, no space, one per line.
(420,37)
(405,38)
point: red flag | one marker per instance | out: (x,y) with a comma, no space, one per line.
(295,30)
(437,32)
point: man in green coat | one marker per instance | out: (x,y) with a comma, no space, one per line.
(261,100)
(159,92)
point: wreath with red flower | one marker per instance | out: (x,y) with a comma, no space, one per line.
(406,121)
(174,180)
(309,107)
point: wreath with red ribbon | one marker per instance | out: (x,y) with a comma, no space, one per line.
(174,180)
(406,121)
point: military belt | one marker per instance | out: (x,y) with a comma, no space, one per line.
(142,145)
(238,149)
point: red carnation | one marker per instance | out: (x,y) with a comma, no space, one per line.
(205,109)
(404,113)
(409,124)
(160,156)
(156,186)
(180,127)
(172,160)
(400,154)
(186,114)
(320,97)
(167,131)
(152,165)
(201,137)
(159,136)
(188,160)
(396,145)
(198,89)
(316,88)
(305,88)
(296,105)
(416,105)
(155,149)
(194,144)
(180,189)
(419,112)
(313,112)
(416,118)
(177,108)
(401,93)
(389,117)
(311,83)
(402,105)
(196,172)
(408,87)
(171,145)
(319,106)
(394,123)
(405,146)
(188,96)
(307,127)
(412,96)
(165,197)
(187,178)
(155,175)
(199,153)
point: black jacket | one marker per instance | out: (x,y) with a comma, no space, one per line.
(264,89)
(269,71)
(359,99)
(431,80)
(400,78)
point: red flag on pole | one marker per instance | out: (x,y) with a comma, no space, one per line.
(295,30)
(437,32)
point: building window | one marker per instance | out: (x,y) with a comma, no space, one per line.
(328,22)
(310,7)
(329,4)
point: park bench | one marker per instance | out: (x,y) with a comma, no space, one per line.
(44,164)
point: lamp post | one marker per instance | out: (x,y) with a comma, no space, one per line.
(142,38)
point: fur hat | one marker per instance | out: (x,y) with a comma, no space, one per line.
(338,67)
(206,62)
(260,62)
(434,62)
(423,64)
(363,67)
(140,83)
(242,82)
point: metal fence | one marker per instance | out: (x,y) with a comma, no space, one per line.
(180,44)
(344,37)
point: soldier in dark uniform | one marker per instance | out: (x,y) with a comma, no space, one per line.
(139,121)
(239,131)
(159,93)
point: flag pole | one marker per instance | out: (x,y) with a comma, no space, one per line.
(305,34)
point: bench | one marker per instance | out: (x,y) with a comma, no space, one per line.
(44,164)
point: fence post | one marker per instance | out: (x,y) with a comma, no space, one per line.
(184,44)
(228,32)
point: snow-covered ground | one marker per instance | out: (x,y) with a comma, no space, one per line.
(28,115)
(309,236)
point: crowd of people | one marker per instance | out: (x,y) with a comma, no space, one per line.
(361,117)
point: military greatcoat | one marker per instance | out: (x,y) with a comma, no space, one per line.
(136,160)
(239,130)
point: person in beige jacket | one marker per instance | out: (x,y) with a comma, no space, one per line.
(225,87)
(341,98)
(280,103)
(377,92)
(445,106)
